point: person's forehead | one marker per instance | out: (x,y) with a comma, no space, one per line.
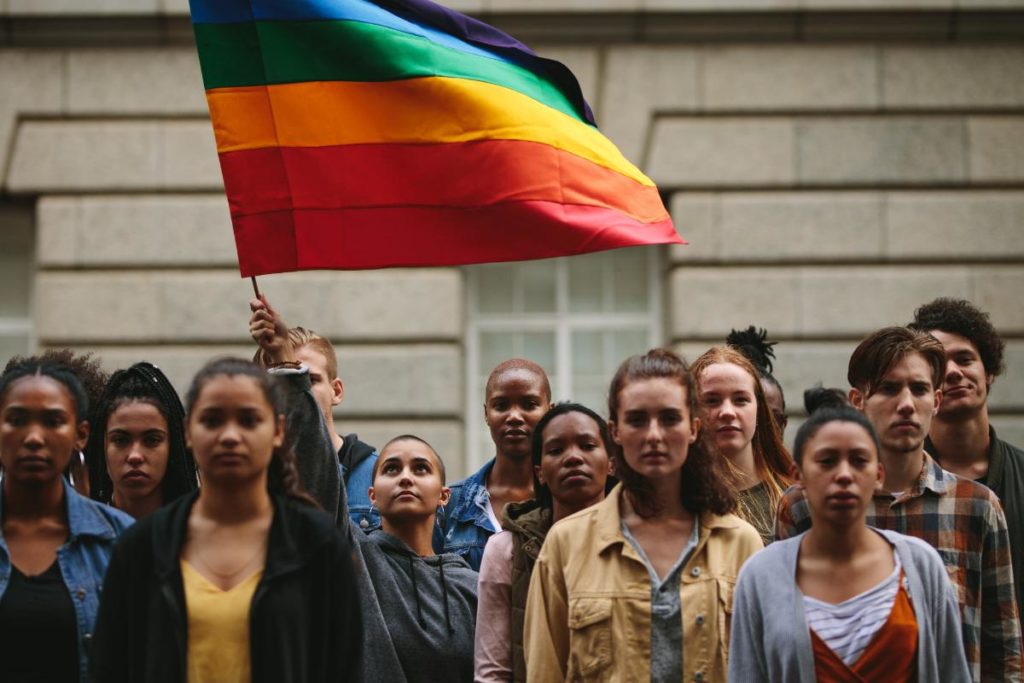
(316,361)
(516,380)
(911,366)
(952,341)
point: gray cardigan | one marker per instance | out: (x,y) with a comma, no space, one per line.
(770,638)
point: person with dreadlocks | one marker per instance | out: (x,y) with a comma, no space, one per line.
(136,450)
(753,343)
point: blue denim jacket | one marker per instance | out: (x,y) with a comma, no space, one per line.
(357,485)
(93,528)
(466,525)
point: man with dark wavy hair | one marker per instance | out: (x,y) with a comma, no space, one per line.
(961,438)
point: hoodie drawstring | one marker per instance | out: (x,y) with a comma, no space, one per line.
(444,589)
(416,592)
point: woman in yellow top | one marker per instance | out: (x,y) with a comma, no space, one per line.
(245,580)
(639,587)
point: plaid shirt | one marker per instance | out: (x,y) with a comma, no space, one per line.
(964,522)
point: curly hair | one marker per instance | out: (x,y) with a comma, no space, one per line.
(705,485)
(958,316)
(753,343)
(283,473)
(145,383)
(772,460)
(86,368)
(19,368)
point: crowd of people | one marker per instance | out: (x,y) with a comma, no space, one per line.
(236,537)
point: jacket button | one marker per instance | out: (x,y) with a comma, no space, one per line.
(87,637)
(700,620)
(695,571)
(699,676)
(80,593)
(363,524)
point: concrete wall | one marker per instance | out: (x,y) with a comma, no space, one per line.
(833,164)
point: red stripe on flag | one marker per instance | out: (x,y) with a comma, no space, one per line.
(467,174)
(434,236)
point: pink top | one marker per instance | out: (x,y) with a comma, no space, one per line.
(492,658)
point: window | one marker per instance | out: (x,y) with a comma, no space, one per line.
(579,317)
(16,264)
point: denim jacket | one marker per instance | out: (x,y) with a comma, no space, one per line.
(466,525)
(357,486)
(93,528)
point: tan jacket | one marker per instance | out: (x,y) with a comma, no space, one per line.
(588,615)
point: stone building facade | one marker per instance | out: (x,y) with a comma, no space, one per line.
(833,163)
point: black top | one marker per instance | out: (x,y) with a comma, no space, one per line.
(304,621)
(38,629)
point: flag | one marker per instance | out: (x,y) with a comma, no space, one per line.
(358,134)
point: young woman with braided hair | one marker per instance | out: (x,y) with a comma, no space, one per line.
(753,343)
(136,450)
(245,580)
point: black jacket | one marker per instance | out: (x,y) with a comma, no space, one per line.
(304,618)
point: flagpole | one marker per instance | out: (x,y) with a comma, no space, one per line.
(255,287)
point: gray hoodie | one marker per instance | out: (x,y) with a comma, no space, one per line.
(419,613)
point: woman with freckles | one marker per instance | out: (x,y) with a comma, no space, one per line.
(639,586)
(740,422)
(860,604)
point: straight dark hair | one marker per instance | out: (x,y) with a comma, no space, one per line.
(541,493)
(705,485)
(283,473)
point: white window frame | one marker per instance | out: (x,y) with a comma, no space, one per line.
(562,323)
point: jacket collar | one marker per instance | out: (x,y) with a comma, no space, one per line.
(466,509)
(291,542)
(608,521)
(85,518)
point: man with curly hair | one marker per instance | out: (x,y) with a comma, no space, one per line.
(961,438)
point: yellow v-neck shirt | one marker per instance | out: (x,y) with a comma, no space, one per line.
(218,628)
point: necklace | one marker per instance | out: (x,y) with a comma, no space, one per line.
(230,575)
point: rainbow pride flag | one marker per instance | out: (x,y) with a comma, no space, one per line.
(357,134)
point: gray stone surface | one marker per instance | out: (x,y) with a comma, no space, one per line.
(765,77)
(212,306)
(134,231)
(952,77)
(955,225)
(698,152)
(778,226)
(80,7)
(997,148)
(707,302)
(32,83)
(135,81)
(446,436)
(859,151)
(55,156)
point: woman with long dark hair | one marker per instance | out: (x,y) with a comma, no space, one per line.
(245,580)
(860,604)
(55,544)
(136,450)
(639,586)
(571,465)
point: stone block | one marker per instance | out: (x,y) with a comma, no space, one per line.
(545,6)
(789,78)
(32,82)
(639,80)
(783,226)
(134,231)
(869,151)
(414,380)
(854,300)
(212,306)
(446,436)
(952,77)
(695,215)
(1010,428)
(699,152)
(584,62)
(706,302)
(1007,394)
(996,148)
(963,226)
(867,24)
(713,26)
(998,290)
(135,81)
(80,7)
(721,5)
(54,156)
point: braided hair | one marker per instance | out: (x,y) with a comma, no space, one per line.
(144,383)
(283,473)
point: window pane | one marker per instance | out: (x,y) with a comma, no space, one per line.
(16,260)
(13,345)
(629,268)
(540,348)
(625,343)
(494,348)
(496,288)
(592,391)
(538,286)
(587,353)
(586,283)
